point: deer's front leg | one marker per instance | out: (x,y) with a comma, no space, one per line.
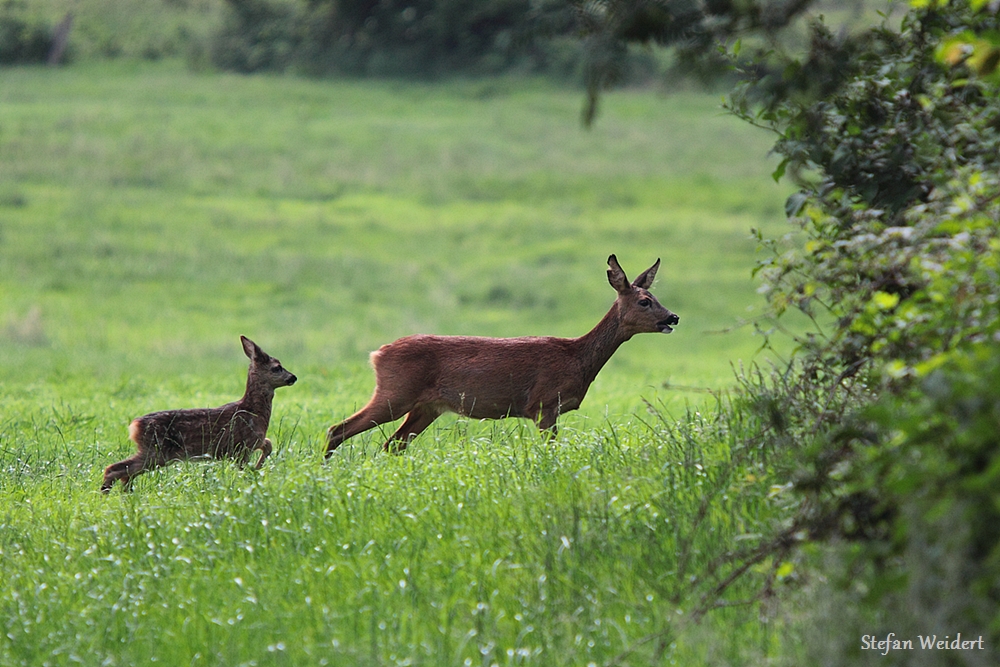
(547,422)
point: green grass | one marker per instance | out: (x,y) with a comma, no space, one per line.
(149,216)
(328,219)
(486,544)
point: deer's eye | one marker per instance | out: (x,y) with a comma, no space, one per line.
(644,303)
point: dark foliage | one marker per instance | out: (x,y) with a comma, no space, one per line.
(694,29)
(392,37)
(22,39)
(896,156)
(257,35)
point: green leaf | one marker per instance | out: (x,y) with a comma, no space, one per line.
(885,301)
(780,171)
(794,204)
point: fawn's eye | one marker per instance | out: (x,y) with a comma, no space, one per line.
(644,303)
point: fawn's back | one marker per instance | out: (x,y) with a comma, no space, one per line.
(212,432)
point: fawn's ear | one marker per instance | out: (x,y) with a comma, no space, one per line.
(645,280)
(617,277)
(251,349)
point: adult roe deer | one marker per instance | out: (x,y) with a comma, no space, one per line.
(234,430)
(491,378)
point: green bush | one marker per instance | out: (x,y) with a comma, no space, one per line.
(393,37)
(893,139)
(23,38)
(256,35)
(937,470)
(896,156)
(884,420)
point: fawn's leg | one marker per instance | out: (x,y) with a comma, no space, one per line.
(377,412)
(415,422)
(265,451)
(124,471)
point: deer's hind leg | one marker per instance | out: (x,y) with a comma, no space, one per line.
(419,419)
(378,411)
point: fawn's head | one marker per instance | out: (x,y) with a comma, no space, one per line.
(639,310)
(266,368)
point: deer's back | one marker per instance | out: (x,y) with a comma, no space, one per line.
(481,377)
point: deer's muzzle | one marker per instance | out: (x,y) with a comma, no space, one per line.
(665,325)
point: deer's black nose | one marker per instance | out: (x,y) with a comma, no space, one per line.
(673,319)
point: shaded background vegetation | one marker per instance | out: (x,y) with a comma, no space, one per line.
(318,37)
(568,40)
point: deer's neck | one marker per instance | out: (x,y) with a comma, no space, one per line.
(597,346)
(257,400)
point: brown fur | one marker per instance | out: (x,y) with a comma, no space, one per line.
(491,378)
(234,430)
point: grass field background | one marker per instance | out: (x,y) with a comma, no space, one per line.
(149,216)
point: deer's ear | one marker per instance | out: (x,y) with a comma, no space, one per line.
(645,280)
(616,276)
(250,348)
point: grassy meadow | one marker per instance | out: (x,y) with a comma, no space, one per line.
(150,215)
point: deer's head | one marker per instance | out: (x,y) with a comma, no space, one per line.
(639,310)
(264,367)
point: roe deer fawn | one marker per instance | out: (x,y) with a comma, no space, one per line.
(234,430)
(491,378)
